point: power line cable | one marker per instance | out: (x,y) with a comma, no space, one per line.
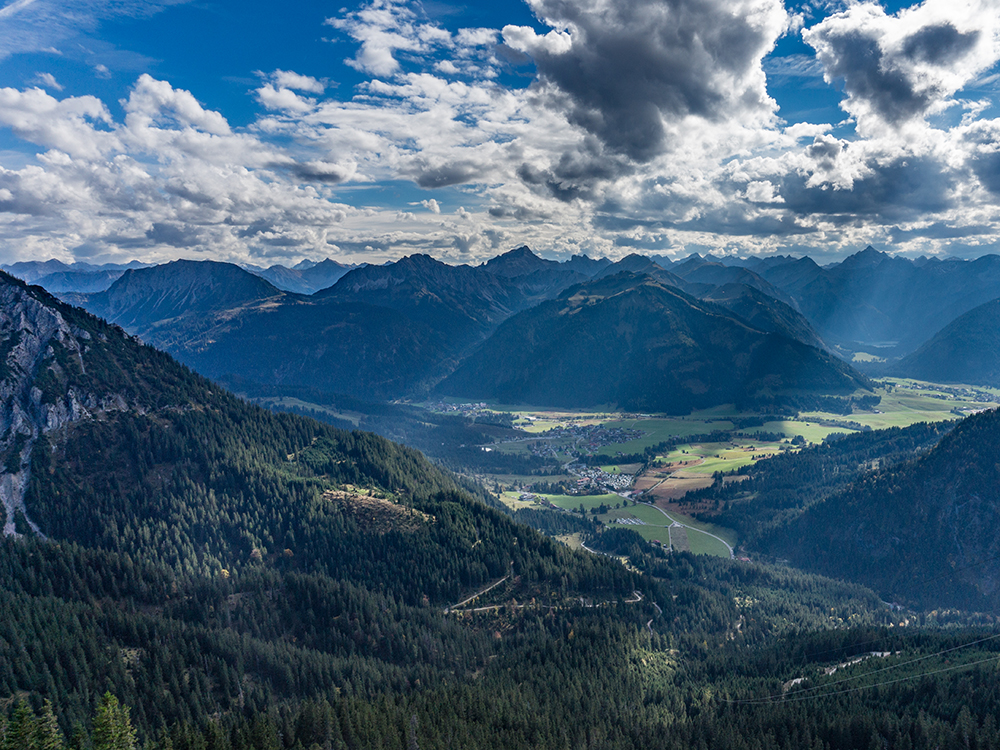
(893,682)
(794,695)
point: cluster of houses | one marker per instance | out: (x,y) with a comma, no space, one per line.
(469,410)
(594,477)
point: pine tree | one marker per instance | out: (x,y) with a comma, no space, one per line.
(20,734)
(112,726)
(47,733)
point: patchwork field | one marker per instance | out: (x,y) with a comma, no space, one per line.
(658,429)
(589,502)
(692,467)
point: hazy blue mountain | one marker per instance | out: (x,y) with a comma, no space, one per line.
(83,282)
(519,262)
(537,278)
(717,275)
(873,298)
(640,264)
(967,350)
(379,332)
(304,279)
(585,265)
(765,312)
(31,271)
(143,300)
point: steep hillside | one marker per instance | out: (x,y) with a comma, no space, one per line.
(239,557)
(637,342)
(925,532)
(967,350)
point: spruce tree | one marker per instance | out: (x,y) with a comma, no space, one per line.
(47,733)
(112,726)
(20,734)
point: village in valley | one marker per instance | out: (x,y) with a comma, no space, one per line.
(643,471)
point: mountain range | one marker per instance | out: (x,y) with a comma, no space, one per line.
(85,278)
(399,329)
(304,278)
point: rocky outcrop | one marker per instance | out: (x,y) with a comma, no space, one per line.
(39,351)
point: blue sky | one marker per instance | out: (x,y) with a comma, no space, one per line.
(259,132)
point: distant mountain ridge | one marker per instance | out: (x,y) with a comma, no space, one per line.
(380,331)
(395,330)
(967,350)
(143,299)
(305,277)
(876,299)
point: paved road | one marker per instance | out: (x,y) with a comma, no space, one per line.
(478,593)
(675,522)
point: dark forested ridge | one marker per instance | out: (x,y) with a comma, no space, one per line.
(925,531)
(911,512)
(774,493)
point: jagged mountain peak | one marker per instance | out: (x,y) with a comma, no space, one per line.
(864,258)
(518,262)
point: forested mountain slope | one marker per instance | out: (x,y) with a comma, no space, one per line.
(165,493)
(926,532)
(638,342)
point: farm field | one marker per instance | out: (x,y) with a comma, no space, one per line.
(691,467)
(650,522)
(589,502)
(708,458)
(811,431)
(655,525)
(512,500)
(906,402)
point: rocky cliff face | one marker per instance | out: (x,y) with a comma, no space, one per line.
(39,351)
